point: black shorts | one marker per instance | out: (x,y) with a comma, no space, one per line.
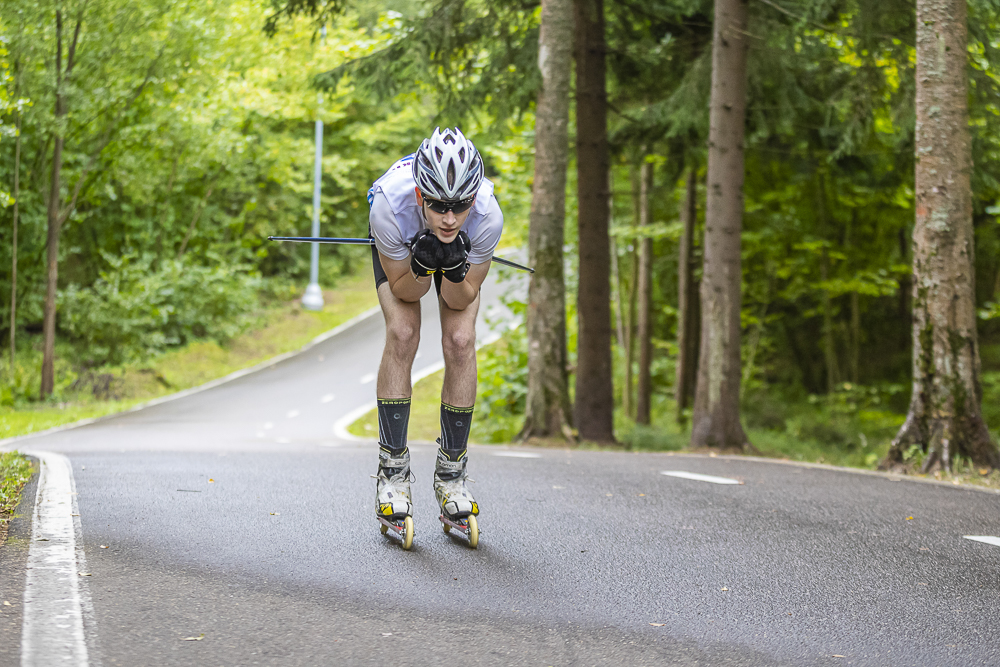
(380,276)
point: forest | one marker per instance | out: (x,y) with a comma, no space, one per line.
(765,226)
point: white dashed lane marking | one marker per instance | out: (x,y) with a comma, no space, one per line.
(987,539)
(699,477)
(365,379)
(327,398)
(518,455)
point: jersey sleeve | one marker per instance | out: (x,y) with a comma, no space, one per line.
(487,235)
(385,229)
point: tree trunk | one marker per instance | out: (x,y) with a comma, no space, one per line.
(717,396)
(594,408)
(628,346)
(52,237)
(548,413)
(855,336)
(624,340)
(644,289)
(829,342)
(944,420)
(687,301)
(13,249)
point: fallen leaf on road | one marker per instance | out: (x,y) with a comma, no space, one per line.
(909,518)
(387,634)
(194,639)
(7,604)
(723,589)
(210,480)
(657,625)
(104,546)
(84,574)
(42,539)
(838,656)
(641,495)
(275,513)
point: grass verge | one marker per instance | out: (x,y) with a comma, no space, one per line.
(15,471)
(286,327)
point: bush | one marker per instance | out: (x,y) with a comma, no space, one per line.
(135,311)
(503,383)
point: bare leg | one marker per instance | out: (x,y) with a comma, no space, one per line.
(458,341)
(402,337)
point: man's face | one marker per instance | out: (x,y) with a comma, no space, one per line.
(445,226)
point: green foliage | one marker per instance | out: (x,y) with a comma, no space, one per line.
(189,140)
(136,310)
(503,383)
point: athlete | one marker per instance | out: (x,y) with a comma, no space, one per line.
(434,219)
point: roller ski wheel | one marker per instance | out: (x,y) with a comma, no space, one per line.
(469,526)
(392,495)
(401,528)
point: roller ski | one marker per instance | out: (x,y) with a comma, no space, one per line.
(392,495)
(458,508)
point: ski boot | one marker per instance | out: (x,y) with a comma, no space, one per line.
(458,508)
(392,495)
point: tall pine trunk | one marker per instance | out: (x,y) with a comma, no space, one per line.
(548,411)
(17,208)
(54,224)
(687,301)
(644,289)
(594,408)
(944,420)
(716,403)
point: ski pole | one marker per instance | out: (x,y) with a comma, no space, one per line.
(345,241)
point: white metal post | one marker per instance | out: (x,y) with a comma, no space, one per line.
(313,298)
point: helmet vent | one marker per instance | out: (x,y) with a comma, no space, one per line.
(461,154)
(438,153)
(451,173)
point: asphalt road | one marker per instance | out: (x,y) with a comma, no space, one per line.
(239,530)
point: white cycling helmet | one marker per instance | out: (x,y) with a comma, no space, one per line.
(448,167)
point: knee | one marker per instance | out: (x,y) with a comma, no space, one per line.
(402,336)
(460,343)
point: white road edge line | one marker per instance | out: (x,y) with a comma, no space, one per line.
(986,539)
(341,425)
(6,443)
(699,477)
(518,455)
(55,600)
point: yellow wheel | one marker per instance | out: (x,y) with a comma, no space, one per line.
(446,527)
(384,528)
(408,533)
(473,531)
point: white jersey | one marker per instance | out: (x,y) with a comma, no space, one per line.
(395,216)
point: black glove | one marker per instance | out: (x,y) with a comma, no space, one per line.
(454,261)
(425,253)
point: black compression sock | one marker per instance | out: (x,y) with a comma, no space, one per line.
(455,425)
(393,419)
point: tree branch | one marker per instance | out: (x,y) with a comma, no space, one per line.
(108,136)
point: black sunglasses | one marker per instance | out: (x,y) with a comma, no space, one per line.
(443,207)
